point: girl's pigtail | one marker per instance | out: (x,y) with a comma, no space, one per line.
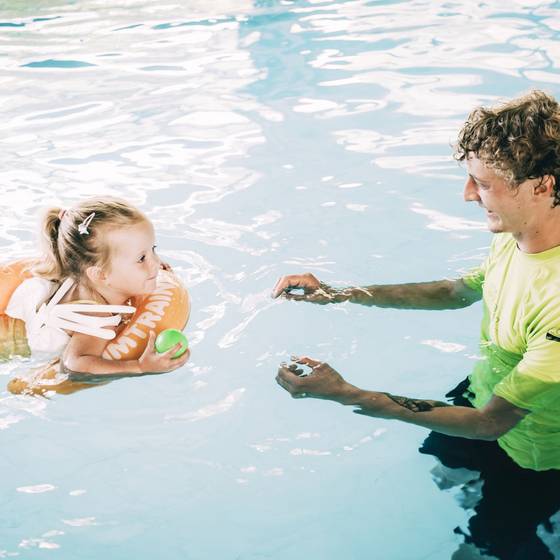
(49,265)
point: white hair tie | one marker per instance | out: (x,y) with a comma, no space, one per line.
(83,227)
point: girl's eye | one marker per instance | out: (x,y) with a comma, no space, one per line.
(143,257)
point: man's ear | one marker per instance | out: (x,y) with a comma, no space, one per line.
(545,185)
(95,274)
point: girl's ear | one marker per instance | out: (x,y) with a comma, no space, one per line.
(96,274)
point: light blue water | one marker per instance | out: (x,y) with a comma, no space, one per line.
(262,138)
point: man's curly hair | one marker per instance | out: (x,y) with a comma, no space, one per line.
(518,140)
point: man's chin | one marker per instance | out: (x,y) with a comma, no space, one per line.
(495,226)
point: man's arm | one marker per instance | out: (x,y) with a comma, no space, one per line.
(439,294)
(488,423)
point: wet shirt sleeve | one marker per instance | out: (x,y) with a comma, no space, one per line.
(474,278)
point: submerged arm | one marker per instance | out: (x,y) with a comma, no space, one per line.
(488,423)
(438,294)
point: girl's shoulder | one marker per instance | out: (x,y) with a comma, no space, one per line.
(80,294)
(29,295)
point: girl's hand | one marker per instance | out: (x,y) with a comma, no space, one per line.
(154,362)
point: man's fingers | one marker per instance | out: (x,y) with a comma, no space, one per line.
(296,297)
(284,283)
(276,290)
(289,378)
(307,361)
(294,369)
(284,373)
(307,282)
(284,379)
(311,296)
(280,381)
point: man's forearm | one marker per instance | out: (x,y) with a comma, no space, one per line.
(441,417)
(439,294)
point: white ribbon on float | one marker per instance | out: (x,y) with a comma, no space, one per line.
(71,317)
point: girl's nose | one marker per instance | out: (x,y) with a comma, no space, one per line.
(156,263)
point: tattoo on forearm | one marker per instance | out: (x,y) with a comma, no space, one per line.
(416,405)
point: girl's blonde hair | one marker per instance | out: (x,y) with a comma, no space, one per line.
(75,239)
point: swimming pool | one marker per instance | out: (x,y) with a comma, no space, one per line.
(262,138)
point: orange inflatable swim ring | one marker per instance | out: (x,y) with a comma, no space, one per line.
(167,307)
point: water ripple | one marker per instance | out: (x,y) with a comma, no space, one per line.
(262,138)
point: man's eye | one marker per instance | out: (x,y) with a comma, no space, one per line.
(154,248)
(142,259)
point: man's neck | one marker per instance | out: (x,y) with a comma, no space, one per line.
(541,236)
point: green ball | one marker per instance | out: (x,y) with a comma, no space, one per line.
(168,338)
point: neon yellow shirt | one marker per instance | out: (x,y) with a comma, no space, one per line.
(520,345)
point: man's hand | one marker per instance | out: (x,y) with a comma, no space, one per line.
(323,382)
(314,290)
(153,362)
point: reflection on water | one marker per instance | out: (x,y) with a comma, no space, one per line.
(261,138)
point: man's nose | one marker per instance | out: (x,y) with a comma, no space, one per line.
(470,191)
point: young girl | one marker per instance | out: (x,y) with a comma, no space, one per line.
(100,252)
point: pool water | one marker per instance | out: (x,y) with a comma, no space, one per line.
(262,138)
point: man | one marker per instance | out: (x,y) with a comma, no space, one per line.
(505,420)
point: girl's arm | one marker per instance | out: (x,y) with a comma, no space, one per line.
(83,355)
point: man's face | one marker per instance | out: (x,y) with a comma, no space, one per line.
(507,209)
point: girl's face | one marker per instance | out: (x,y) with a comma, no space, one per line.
(134,265)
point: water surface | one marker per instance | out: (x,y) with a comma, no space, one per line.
(262,138)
